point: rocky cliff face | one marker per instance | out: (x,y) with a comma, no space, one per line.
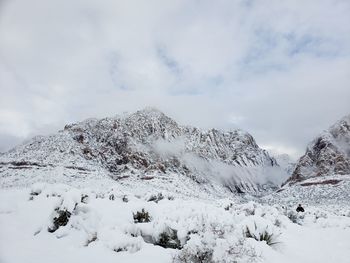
(146,144)
(328,154)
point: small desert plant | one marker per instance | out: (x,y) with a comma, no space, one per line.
(34,193)
(84,199)
(197,249)
(228,207)
(295,217)
(93,238)
(142,216)
(125,199)
(278,222)
(169,239)
(198,256)
(265,235)
(61,219)
(156,198)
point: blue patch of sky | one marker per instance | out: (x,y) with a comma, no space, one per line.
(258,60)
(207,85)
(311,45)
(114,72)
(247,3)
(261,58)
(168,61)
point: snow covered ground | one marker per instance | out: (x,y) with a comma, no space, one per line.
(61,223)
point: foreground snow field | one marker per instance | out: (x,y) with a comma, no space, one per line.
(61,223)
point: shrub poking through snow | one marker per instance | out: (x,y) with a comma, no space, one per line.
(156,198)
(61,219)
(84,199)
(93,238)
(125,199)
(169,239)
(199,257)
(142,216)
(34,193)
(295,217)
(197,250)
(264,235)
(228,206)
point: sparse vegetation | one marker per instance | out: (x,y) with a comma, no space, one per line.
(156,198)
(195,255)
(93,238)
(265,235)
(169,239)
(84,199)
(125,199)
(142,216)
(61,219)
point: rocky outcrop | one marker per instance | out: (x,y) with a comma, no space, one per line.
(328,154)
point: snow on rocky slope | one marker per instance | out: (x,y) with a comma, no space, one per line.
(141,188)
(322,174)
(143,146)
(327,154)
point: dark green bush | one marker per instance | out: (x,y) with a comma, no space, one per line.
(142,216)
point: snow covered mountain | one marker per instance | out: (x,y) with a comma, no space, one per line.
(141,188)
(328,154)
(144,145)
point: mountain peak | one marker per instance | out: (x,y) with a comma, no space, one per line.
(149,143)
(327,154)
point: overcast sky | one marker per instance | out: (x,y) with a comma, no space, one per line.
(278,69)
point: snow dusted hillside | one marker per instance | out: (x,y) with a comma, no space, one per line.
(146,145)
(141,188)
(328,154)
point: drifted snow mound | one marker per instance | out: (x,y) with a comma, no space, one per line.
(328,154)
(145,145)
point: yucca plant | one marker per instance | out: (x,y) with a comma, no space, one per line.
(269,238)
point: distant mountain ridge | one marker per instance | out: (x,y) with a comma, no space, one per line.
(146,144)
(327,154)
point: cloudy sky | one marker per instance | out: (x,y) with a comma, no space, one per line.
(278,69)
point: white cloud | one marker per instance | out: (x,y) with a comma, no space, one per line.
(279,69)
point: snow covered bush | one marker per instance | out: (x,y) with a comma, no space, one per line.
(156,198)
(60,219)
(295,217)
(142,216)
(261,229)
(169,239)
(198,249)
(266,236)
